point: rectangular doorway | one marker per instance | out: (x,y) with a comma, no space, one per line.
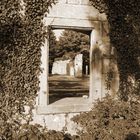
(69,64)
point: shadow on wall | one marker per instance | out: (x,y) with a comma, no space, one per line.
(96,58)
(132,136)
(124,37)
(102,45)
(104,56)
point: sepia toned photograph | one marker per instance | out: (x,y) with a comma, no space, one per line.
(69,70)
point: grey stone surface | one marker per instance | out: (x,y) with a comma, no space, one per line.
(60,67)
(78,63)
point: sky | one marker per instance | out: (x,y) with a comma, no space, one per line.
(57,33)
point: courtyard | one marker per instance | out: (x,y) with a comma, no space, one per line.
(62,86)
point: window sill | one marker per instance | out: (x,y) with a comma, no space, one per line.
(66,105)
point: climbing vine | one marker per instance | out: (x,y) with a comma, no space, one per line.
(21,36)
(124,18)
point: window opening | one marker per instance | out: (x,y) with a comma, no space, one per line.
(69,64)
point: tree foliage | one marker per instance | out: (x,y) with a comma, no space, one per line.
(70,42)
(73,41)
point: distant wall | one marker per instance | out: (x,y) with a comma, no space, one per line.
(69,67)
(60,67)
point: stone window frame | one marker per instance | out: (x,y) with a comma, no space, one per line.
(43,107)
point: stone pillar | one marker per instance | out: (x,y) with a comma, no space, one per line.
(95,66)
(78,65)
(110,68)
(86,69)
(71,68)
(43,99)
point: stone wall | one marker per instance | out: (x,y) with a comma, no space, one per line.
(75,14)
(60,67)
(59,122)
(69,67)
(78,65)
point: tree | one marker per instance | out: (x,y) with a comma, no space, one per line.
(73,41)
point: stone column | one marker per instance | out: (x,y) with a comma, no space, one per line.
(78,64)
(87,69)
(43,99)
(95,66)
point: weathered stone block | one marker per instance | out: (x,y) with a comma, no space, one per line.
(62,1)
(86,2)
(78,65)
(73,11)
(60,67)
(73,1)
